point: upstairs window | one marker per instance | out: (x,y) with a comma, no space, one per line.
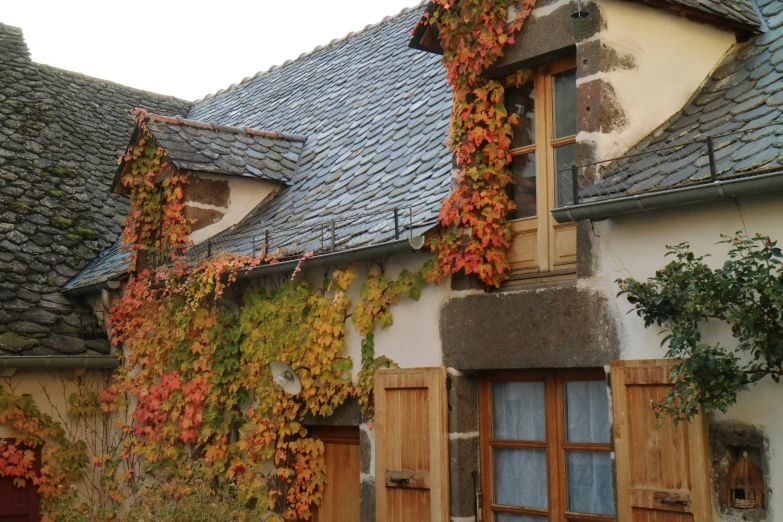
(544,141)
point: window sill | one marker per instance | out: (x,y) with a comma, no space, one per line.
(562,277)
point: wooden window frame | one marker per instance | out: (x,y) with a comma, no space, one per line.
(554,444)
(544,225)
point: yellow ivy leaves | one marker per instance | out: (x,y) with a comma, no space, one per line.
(378,295)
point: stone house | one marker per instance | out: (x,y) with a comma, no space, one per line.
(525,404)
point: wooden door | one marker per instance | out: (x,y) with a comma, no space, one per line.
(411,446)
(19,504)
(662,472)
(343,466)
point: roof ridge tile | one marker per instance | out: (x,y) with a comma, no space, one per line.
(316,49)
(123,87)
(179,120)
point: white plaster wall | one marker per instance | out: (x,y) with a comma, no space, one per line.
(245,195)
(413,340)
(673,57)
(635,244)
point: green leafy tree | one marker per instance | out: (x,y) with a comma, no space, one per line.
(746,292)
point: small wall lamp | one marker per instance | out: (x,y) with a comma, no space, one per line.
(286,377)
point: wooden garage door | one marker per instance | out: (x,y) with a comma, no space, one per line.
(411,447)
(662,472)
(19,504)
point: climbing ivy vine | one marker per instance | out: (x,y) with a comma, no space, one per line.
(155,223)
(473,34)
(194,399)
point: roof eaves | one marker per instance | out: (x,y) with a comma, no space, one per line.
(704,16)
(425,36)
(411,244)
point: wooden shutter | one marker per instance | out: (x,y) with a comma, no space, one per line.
(411,445)
(662,473)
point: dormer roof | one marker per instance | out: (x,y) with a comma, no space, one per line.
(219,149)
(739,109)
(739,16)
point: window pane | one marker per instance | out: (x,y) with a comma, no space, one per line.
(564,88)
(565,157)
(523,190)
(589,482)
(586,412)
(520,477)
(519,100)
(513,517)
(518,411)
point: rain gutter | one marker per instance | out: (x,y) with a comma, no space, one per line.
(409,245)
(91,362)
(721,189)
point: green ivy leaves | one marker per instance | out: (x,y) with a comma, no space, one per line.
(746,293)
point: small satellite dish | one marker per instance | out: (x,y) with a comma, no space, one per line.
(417,242)
(286,377)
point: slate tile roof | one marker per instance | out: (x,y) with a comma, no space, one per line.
(741,11)
(111,264)
(740,106)
(220,149)
(375,114)
(60,136)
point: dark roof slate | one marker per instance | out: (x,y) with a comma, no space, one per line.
(740,106)
(60,136)
(740,11)
(231,151)
(112,263)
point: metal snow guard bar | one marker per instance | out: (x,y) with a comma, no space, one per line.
(323,238)
(378,233)
(698,170)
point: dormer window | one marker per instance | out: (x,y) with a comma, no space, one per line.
(543,142)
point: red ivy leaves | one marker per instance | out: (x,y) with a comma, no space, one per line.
(476,237)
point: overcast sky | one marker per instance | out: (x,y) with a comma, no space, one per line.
(186,48)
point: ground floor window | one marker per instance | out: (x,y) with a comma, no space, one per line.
(545,446)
